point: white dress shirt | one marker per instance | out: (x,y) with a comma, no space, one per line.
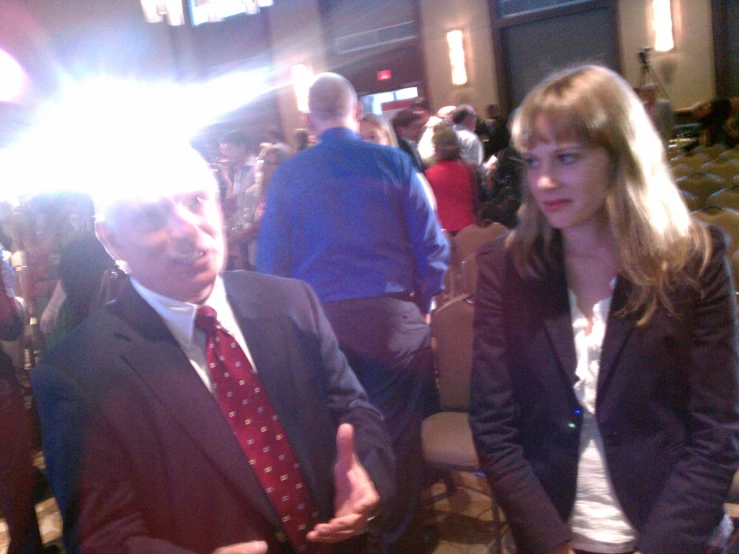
(180,320)
(597,522)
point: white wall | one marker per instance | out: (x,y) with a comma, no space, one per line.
(687,72)
(473,18)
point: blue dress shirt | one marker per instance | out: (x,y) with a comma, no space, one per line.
(350,218)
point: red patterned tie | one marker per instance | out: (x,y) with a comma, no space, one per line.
(248,410)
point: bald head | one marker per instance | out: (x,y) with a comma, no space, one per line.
(332,102)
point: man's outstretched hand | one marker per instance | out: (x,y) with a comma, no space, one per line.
(356,496)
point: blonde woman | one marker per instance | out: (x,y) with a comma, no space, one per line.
(376,129)
(604,388)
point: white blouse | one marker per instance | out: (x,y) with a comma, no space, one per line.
(597,523)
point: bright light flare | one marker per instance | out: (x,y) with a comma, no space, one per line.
(302,77)
(79,142)
(663,37)
(455,40)
(14,82)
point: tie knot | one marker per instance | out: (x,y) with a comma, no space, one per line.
(206,319)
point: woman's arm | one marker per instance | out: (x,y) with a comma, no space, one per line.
(691,503)
(536,524)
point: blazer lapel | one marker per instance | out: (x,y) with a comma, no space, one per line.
(155,356)
(555,303)
(618,329)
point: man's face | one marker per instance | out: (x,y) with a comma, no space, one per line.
(423,114)
(412,132)
(234,153)
(173,245)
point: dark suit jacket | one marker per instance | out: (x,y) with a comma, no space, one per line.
(666,404)
(138,453)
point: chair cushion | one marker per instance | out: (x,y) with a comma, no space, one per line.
(447,440)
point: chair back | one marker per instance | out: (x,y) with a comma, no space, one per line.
(451,328)
(473,236)
(732,154)
(713,151)
(725,218)
(681,170)
(469,272)
(702,185)
(691,200)
(726,169)
(691,160)
(728,198)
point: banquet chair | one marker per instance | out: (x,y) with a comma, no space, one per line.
(732,154)
(681,170)
(446,436)
(728,198)
(469,272)
(691,160)
(690,200)
(726,169)
(702,185)
(725,218)
(473,236)
(713,151)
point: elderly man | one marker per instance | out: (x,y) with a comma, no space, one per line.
(203,412)
(465,121)
(350,218)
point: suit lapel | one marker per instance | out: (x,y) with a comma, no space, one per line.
(155,356)
(618,329)
(555,303)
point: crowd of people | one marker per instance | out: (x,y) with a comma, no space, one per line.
(258,382)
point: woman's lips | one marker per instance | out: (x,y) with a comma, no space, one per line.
(554,205)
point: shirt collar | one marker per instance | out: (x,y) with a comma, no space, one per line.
(338,133)
(180,316)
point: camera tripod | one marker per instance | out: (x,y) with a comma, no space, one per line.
(648,76)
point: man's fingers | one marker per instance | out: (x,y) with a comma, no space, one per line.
(345,445)
(253,547)
(338,529)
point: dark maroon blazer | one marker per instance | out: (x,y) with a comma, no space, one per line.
(139,455)
(667,404)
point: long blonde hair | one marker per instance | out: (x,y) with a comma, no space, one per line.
(654,232)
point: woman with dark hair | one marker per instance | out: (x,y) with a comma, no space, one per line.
(604,386)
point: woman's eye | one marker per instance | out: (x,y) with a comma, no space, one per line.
(567,158)
(530,162)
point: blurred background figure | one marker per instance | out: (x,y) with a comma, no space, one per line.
(16,436)
(376,129)
(242,241)
(453,181)
(465,122)
(660,112)
(408,128)
(302,140)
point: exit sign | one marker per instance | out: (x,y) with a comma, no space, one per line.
(384,75)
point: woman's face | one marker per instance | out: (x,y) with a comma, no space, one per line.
(568,180)
(373,134)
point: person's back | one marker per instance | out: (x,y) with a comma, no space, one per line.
(356,217)
(351,218)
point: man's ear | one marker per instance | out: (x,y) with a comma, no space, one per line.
(358,111)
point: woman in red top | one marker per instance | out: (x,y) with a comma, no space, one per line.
(453,181)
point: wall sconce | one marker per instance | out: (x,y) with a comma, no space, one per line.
(455,40)
(156,10)
(301,83)
(662,23)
